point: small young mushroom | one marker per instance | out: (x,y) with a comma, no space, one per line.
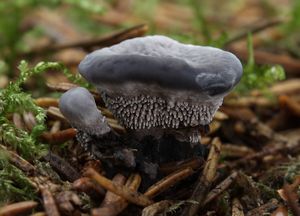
(79,107)
(153,83)
(94,134)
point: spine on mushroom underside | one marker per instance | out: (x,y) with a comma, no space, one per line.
(145,112)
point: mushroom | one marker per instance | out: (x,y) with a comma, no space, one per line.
(80,109)
(155,83)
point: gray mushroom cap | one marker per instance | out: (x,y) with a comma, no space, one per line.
(156,81)
(80,109)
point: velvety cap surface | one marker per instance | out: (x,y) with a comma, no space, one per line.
(164,62)
(79,107)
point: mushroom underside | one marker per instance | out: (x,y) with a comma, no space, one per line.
(146,111)
(153,115)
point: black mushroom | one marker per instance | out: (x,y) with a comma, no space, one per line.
(153,83)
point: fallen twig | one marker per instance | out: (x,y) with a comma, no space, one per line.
(109,40)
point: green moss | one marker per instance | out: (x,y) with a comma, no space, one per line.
(14,100)
(14,185)
(258,77)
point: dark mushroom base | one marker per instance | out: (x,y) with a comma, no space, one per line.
(145,155)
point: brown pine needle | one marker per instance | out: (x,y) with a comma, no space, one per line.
(88,186)
(46,102)
(220,188)
(18,208)
(168,168)
(206,179)
(18,161)
(168,182)
(126,193)
(112,204)
(60,136)
(49,203)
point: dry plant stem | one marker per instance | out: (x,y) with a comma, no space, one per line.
(168,182)
(112,204)
(109,40)
(130,195)
(220,188)
(46,102)
(49,203)
(173,167)
(263,209)
(60,136)
(206,179)
(237,208)
(292,199)
(18,208)
(19,162)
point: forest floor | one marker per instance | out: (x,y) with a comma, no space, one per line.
(252,164)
